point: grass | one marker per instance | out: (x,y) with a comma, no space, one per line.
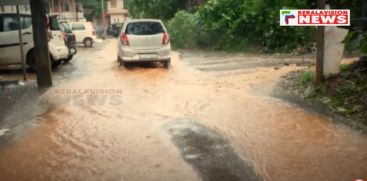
(305,78)
(347,93)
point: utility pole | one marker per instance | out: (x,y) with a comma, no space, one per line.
(320,47)
(103,19)
(21,44)
(41,52)
(76,10)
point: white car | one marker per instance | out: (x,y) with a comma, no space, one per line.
(10,44)
(84,33)
(144,40)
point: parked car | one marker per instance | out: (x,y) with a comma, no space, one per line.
(84,33)
(9,42)
(70,40)
(144,40)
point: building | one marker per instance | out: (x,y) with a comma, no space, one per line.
(116,12)
(68,10)
(12,9)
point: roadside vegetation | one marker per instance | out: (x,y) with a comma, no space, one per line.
(345,94)
(241,25)
(230,25)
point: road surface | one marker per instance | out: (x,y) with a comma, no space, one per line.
(210,117)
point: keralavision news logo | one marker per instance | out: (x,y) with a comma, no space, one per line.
(315,17)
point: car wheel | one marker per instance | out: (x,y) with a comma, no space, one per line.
(56,63)
(67,60)
(125,64)
(167,64)
(88,42)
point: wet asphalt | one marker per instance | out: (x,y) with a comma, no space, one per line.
(210,117)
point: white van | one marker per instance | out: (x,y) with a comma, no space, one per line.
(9,42)
(84,33)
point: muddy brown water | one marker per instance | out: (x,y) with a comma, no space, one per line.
(118,134)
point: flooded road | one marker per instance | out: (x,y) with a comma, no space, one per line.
(106,122)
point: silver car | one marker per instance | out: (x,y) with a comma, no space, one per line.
(144,40)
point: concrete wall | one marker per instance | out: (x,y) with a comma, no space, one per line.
(118,8)
(334,49)
(117,19)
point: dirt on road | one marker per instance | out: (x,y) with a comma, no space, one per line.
(209,117)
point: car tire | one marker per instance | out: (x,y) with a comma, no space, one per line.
(88,42)
(31,61)
(67,60)
(125,64)
(167,64)
(55,64)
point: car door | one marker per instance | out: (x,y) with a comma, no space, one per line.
(57,37)
(9,44)
(79,30)
(9,36)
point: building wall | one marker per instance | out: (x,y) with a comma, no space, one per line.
(66,10)
(115,11)
(115,6)
(117,18)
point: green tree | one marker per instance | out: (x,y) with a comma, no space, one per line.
(237,24)
(94,6)
(161,9)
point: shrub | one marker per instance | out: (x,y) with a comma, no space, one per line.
(237,25)
(305,78)
(183,30)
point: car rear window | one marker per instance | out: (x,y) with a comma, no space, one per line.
(144,28)
(78,27)
(65,27)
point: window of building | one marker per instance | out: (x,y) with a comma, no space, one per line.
(26,7)
(66,7)
(2,8)
(113,3)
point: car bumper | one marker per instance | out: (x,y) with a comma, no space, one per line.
(59,52)
(131,55)
(72,51)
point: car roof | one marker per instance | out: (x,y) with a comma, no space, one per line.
(143,20)
(11,13)
(79,22)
